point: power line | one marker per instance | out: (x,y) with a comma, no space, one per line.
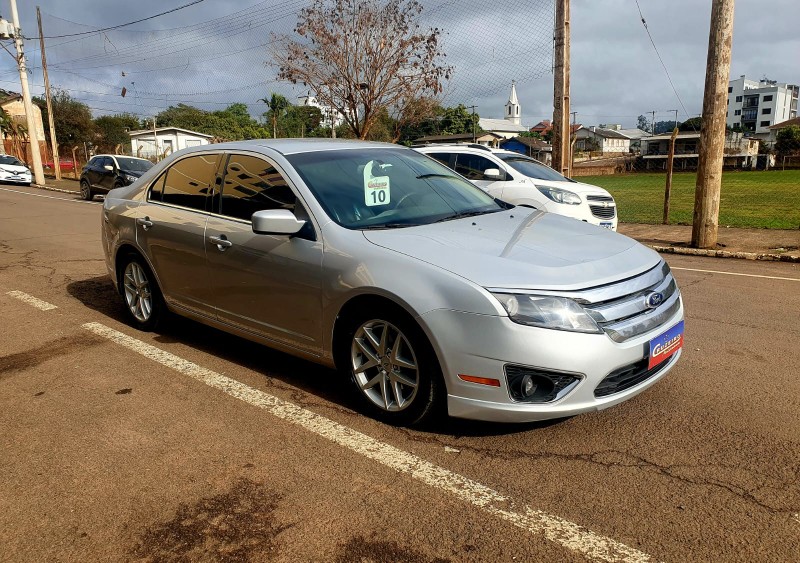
(644,23)
(120,25)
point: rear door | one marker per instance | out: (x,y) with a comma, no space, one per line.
(265,284)
(170,228)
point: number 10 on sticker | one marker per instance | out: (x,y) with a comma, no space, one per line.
(377,192)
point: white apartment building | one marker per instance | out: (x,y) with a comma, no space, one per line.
(756,105)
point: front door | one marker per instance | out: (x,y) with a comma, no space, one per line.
(266,284)
(472,167)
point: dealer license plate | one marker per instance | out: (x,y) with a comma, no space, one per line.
(607,225)
(665,345)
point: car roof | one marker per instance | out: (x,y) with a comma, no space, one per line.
(465,147)
(294,146)
(119,156)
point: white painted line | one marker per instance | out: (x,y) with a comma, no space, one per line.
(556,529)
(33,301)
(734,274)
(73,200)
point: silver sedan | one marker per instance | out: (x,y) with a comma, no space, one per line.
(379,261)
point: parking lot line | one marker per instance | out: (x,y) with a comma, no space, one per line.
(33,301)
(558,530)
(733,274)
(73,200)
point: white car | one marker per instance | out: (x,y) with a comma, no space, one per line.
(518,179)
(14,171)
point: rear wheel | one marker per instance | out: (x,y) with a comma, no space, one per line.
(141,293)
(86,190)
(393,368)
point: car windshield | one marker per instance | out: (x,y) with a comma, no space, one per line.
(388,188)
(134,164)
(5,159)
(532,168)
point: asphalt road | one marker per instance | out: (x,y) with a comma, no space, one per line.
(188,444)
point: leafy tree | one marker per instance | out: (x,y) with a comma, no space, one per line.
(362,57)
(72,119)
(788,140)
(665,127)
(642,123)
(231,124)
(691,124)
(277,105)
(112,130)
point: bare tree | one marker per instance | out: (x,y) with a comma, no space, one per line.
(362,57)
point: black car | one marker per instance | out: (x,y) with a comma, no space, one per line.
(104,172)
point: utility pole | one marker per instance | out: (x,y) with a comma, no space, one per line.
(473,121)
(676,116)
(53,140)
(33,137)
(561,89)
(155,139)
(712,133)
(653,121)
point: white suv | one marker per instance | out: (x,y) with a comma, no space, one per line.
(518,179)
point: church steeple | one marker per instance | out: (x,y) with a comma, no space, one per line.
(512,106)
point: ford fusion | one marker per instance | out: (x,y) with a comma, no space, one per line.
(385,264)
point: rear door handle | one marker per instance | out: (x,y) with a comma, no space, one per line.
(221,241)
(145,222)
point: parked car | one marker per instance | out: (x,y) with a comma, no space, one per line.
(14,171)
(521,180)
(65,164)
(386,264)
(104,172)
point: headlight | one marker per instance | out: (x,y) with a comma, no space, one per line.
(560,313)
(560,196)
(130,179)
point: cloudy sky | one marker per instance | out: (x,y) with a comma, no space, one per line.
(216,52)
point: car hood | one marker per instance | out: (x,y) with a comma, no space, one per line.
(575,187)
(136,173)
(522,249)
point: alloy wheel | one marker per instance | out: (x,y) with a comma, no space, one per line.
(384,365)
(138,296)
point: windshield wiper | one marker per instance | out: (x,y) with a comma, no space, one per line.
(423,176)
(467,214)
(388,226)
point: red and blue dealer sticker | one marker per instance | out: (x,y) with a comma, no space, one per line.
(665,345)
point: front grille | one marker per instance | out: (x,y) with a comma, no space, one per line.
(606,209)
(626,377)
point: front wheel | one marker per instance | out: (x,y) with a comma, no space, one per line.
(86,190)
(394,369)
(141,293)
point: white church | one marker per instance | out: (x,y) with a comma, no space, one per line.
(511,124)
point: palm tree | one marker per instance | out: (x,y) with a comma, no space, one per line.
(276,104)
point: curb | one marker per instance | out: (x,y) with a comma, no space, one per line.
(726,254)
(51,189)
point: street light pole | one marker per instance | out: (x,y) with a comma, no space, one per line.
(33,137)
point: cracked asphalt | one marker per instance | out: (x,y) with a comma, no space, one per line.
(109,456)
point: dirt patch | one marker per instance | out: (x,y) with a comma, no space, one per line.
(237,525)
(369,550)
(49,350)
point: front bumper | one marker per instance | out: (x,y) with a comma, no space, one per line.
(483,345)
(582,212)
(16,178)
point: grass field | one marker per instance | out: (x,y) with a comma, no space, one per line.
(759,199)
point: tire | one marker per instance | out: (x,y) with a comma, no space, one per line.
(140,293)
(392,367)
(86,191)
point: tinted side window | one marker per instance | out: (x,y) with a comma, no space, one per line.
(442,157)
(471,166)
(252,184)
(189,181)
(106,161)
(94,162)
(157,188)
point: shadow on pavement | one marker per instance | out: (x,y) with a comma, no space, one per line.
(98,294)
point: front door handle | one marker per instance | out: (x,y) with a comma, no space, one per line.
(145,222)
(221,241)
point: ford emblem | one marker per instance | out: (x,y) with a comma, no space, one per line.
(654,299)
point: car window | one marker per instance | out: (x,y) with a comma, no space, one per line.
(387,188)
(532,169)
(443,157)
(134,164)
(472,166)
(188,181)
(106,161)
(5,159)
(252,184)
(94,161)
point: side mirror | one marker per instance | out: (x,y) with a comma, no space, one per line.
(493,174)
(108,167)
(276,222)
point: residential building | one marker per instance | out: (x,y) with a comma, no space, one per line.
(739,151)
(529,146)
(15,138)
(606,141)
(545,126)
(755,106)
(167,140)
(773,130)
(330,116)
(484,138)
(636,136)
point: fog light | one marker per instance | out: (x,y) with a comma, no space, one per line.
(528,386)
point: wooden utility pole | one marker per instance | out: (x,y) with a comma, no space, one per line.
(561,148)
(53,140)
(155,139)
(668,187)
(33,137)
(712,132)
